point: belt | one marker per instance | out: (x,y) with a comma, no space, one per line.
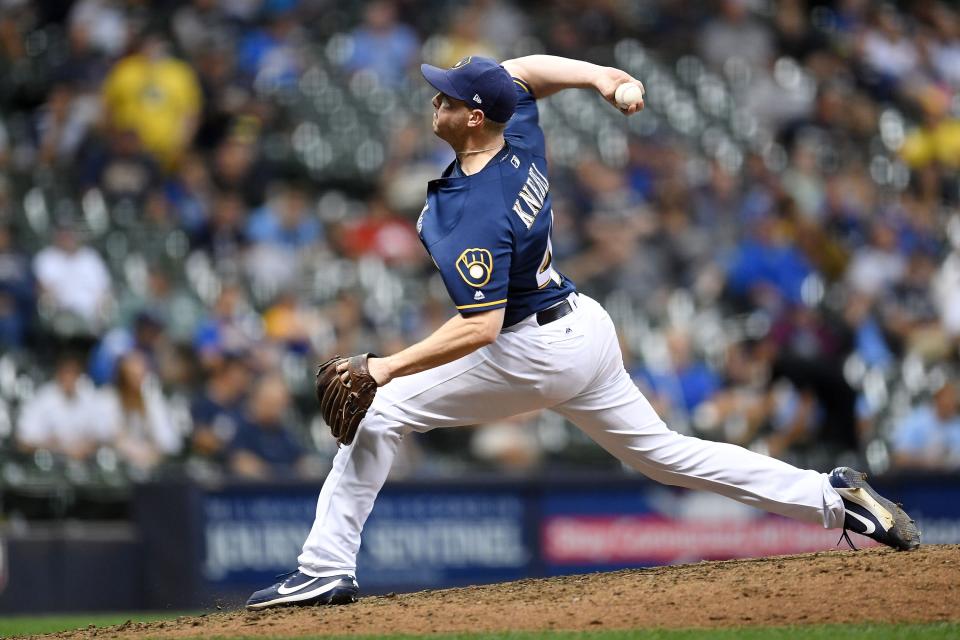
(554,313)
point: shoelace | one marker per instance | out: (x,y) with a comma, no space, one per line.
(282,577)
(846,536)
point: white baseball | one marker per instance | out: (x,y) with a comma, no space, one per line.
(627,95)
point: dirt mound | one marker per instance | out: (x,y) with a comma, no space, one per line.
(875,585)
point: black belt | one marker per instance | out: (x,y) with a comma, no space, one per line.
(554,313)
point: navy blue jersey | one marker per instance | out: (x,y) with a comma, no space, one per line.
(489,233)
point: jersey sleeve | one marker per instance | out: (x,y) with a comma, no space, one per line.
(474,263)
(524,127)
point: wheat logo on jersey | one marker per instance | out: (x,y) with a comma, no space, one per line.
(462,62)
(475,266)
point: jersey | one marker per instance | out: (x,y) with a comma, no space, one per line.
(489,233)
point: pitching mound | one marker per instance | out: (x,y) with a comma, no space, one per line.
(876,585)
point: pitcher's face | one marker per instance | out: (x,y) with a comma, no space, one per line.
(449,117)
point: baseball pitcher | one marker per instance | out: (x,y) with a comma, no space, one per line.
(523,339)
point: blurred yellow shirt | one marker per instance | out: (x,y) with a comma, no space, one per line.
(940,143)
(159,99)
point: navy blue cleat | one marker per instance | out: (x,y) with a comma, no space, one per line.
(299,589)
(870,514)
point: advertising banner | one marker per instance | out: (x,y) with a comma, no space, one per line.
(595,530)
(414,538)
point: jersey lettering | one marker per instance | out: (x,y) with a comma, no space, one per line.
(533,194)
(545,272)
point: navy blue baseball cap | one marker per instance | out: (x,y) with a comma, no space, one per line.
(480,82)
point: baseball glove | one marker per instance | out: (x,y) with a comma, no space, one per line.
(343,406)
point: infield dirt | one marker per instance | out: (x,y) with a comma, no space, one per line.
(875,585)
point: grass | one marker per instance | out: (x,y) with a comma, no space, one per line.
(22,625)
(28,625)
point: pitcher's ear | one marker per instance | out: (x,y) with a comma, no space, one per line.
(476,118)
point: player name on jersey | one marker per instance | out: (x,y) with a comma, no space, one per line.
(533,194)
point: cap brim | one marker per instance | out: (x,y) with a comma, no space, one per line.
(439,80)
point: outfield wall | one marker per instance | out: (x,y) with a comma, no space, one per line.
(194,546)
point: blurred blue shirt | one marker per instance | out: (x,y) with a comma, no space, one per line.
(923,431)
(264,228)
(388,54)
(686,388)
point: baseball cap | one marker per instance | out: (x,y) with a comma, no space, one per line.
(480,82)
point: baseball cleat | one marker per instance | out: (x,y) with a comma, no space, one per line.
(299,589)
(870,514)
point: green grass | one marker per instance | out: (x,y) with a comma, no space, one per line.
(26,625)
(29,625)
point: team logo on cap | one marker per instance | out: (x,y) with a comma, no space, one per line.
(475,266)
(462,62)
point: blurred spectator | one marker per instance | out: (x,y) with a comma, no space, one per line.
(236,166)
(63,123)
(803,182)
(947,293)
(767,270)
(268,56)
(217,410)
(938,139)
(287,220)
(384,234)
(680,384)
(945,48)
(4,145)
(873,342)
(794,36)
(121,169)
(291,323)
(264,446)
(167,302)
(502,24)
(65,416)
(17,297)
(929,437)
(351,328)
(104,22)
(887,50)
(190,193)
(157,237)
(231,327)
(382,45)
(73,278)
(223,237)
(464,38)
(145,335)
(225,96)
(878,265)
(735,34)
(85,64)
(157,96)
(909,310)
(810,347)
(509,445)
(137,415)
(198,25)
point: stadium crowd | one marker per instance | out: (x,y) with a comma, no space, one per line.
(199,200)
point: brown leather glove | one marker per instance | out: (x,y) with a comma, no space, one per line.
(344,406)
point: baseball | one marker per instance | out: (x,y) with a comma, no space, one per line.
(627,95)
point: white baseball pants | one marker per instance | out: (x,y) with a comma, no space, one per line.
(573,366)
